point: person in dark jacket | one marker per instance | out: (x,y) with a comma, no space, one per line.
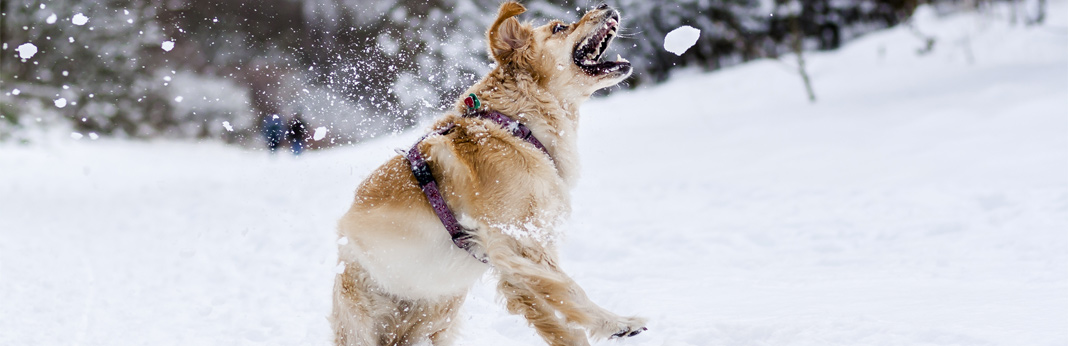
(298,132)
(273,131)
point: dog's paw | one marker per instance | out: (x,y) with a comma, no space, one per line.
(627,327)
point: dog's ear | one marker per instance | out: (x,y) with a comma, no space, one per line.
(506,35)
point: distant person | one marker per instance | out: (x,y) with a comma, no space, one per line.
(298,132)
(273,131)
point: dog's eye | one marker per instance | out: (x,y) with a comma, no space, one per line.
(559,27)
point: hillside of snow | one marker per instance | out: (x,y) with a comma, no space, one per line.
(923,200)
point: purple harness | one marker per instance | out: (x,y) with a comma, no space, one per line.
(461,236)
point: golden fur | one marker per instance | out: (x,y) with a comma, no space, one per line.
(404,280)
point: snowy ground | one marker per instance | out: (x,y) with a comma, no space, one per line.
(922,201)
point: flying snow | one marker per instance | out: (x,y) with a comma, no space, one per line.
(226,125)
(26,50)
(51,19)
(167,45)
(79,19)
(682,38)
(60,102)
(320,132)
(178,99)
(75,135)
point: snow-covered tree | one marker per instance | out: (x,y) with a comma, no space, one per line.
(93,63)
(360,67)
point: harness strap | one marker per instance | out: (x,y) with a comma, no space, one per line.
(517,128)
(461,236)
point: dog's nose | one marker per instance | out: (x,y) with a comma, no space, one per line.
(603,6)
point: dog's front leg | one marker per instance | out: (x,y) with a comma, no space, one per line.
(540,314)
(535,287)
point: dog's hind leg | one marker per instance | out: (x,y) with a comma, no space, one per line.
(444,325)
(351,318)
(416,322)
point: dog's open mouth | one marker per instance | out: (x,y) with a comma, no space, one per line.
(589,52)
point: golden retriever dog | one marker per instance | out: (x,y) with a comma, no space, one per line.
(404,279)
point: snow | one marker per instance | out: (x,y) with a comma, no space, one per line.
(922,201)
(26,50)
(320,133)
(178,99)
(226,125)
(682,38)
(79,19)
(51,19)
(60,102)
(167,45)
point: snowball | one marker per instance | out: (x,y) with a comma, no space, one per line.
(682,38)
(178,99)
(167,45)
(226,125)
(75,135)
(51,19)
(61,102)
(320,132)
(26,50)
(79,19)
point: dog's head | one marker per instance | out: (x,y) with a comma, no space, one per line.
(560,56)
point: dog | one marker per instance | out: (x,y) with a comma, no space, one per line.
(404,279)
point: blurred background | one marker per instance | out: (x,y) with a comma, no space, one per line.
(180,68)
